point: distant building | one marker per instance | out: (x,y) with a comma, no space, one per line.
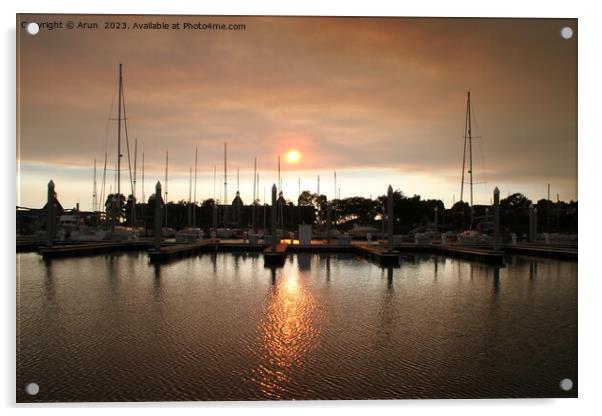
(237,206)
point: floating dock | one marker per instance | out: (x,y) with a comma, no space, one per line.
(377,251)
(543,250)
(90,249)
(275,256)
(380,254)
(28,244)
(323,248)
(177,250)
(482,254)
(172,251)
(240,246)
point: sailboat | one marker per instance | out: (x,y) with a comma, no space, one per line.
(470,236)
(119,232)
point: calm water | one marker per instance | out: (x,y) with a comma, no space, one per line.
(223,327)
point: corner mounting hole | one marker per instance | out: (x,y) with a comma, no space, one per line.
(566,32)
(32,389)
(566,384)
(32,28)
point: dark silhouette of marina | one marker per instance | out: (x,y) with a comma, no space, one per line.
(386,226)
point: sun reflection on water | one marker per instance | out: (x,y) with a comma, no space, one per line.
(288,331)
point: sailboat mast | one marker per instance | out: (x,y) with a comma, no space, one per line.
(470,147)
(189,196)
(225,184)
(254,191)
(143,195)
(117,206)
(103,188)
(225,172)
(134,187)
(119,138)
(135,159)
(464,154)
(166,168)
(279,178)
(196,159)
(255,181)
(94,189)
(189,185)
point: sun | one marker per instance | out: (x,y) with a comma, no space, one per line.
(293,156)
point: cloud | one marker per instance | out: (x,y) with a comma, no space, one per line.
(350,93)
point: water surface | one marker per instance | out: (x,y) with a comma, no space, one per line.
(223,327)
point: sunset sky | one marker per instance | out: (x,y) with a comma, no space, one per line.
(380,100)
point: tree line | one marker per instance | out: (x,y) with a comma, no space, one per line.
(411,213)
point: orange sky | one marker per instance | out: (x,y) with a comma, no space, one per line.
(381,100)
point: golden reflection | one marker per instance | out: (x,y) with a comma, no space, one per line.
(288,331)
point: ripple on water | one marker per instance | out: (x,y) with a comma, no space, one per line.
(221,327)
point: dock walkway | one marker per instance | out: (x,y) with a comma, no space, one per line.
(383,255)
(543,250)
(171,251)
(378,252)
(275,256)
(90,249)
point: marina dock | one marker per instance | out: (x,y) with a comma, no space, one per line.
(376,252)
(172,251)
(91,249)
(543,250)
(382,255)
(480,254)
(25,244)
(275,256)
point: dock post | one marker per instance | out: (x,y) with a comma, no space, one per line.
(158,216)
(531,239)
(496,219)
(273,218)
(51,213)
(328,221)
(390,217)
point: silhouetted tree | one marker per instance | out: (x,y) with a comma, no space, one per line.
(305,199)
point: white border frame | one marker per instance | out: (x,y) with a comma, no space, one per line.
(590,282)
